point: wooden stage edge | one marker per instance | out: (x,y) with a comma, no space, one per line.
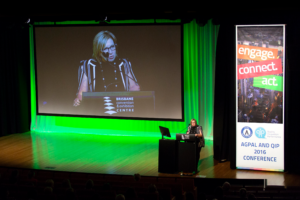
(114,155)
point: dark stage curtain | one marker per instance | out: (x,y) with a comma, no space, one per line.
(224,110)
(14,81)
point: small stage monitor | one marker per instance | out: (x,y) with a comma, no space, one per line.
(164,132)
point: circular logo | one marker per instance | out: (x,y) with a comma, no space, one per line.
(260,132)
(246,132)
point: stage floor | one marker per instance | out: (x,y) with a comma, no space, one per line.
(123,155)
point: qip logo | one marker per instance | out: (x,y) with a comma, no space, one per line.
(247,132)
(260,132)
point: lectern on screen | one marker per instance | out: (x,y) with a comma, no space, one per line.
(141,103)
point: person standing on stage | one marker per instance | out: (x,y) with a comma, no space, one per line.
(197,130)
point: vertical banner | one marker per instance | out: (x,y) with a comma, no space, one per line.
(260,65)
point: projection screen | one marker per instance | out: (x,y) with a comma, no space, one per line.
(123,71)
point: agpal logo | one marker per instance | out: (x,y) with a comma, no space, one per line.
(247,132)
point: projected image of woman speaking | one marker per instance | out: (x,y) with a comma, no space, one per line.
(105,72)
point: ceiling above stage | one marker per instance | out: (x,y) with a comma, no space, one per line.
(113,11)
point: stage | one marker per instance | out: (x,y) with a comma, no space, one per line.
(122,155)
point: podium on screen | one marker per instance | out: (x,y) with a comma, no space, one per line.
(124,104)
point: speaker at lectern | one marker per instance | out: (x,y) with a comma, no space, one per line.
(129,104)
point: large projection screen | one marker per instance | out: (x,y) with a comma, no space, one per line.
(123,71)
(260,66)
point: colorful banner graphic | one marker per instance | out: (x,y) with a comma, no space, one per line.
(263,68)
(256,53)
(260,97)
(270,82)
